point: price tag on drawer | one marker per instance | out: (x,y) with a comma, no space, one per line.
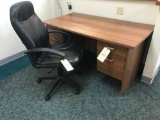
(67,65)
(103,55)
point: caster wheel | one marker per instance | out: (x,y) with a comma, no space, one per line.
(48,97)
(77,92)
(39,80)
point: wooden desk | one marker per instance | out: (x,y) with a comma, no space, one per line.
(124,39)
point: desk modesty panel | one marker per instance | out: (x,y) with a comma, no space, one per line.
(124,39)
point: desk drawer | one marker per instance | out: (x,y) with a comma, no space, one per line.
(113,68)
(117,50)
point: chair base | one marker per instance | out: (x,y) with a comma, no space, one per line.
(59,80)
(41,78)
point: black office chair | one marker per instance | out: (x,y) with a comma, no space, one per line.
(35,36)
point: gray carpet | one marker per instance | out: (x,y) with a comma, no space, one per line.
(21,98)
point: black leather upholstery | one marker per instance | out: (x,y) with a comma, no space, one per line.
(28,26)
(73,53)
(35,36)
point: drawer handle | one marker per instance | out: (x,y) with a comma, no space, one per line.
(110,60)
(110,48)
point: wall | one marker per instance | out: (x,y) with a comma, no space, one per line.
(10,43)
(156,69)
(152,61)
(157,64)
(136,11)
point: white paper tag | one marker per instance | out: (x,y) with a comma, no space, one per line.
(103,55)
(67,65)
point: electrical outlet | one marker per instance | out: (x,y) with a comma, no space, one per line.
(69,5)
(120,10)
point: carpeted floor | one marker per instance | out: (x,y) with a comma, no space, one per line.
(21,98)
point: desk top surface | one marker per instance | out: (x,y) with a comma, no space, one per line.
(124,33)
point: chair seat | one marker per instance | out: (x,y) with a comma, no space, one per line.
(73,53)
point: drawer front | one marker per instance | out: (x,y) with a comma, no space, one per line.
(113,66)
(117,50)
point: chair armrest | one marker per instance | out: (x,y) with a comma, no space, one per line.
(45,50)
(60,31)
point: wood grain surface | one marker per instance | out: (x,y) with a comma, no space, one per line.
(123,33)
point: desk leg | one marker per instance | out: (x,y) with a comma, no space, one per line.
(124,87)
(131,67)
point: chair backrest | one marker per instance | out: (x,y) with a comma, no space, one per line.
(28,26)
